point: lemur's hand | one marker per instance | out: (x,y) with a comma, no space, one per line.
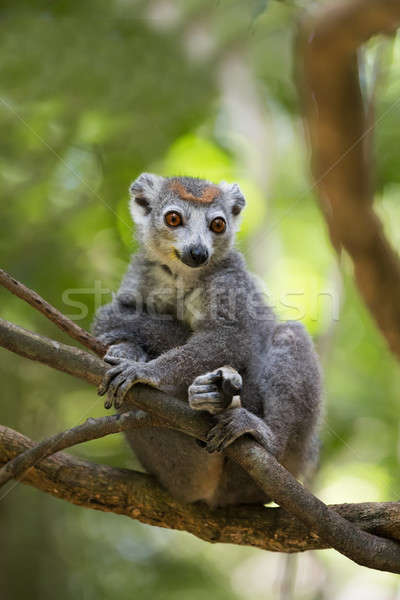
(125,350)
(214,391)
(120,377)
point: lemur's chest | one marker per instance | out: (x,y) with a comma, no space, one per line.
(185,300)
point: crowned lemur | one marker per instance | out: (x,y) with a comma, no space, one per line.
(190,320)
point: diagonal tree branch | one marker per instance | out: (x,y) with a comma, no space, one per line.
(364,548)
(49,352)
(339,133)
(31,297)
(139,496)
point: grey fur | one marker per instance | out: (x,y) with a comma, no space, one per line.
(174,327)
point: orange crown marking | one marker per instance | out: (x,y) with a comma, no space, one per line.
(209,193)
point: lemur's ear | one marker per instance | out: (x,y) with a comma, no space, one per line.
(143,192)
(234,196)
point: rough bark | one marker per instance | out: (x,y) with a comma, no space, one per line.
(362,547)
(340,139)
(138,496)
(337,125)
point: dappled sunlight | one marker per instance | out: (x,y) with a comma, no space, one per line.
(91,96)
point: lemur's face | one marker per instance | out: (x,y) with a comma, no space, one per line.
(185,223)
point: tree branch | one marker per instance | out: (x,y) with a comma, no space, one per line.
(72,329)
(139,496)
(362,547)
(339,132)
(337,129)
(49,352)
(91,429)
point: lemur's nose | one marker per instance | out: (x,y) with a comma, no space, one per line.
(199,254)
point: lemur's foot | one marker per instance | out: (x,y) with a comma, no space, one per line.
(119,379)
(214,391)
(232,424)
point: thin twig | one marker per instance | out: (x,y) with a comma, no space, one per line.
(91,429)
(72,329)
(364,548)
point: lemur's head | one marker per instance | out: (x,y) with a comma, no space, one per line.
(184,222)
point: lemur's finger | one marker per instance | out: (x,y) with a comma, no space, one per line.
(195,389)
(214,396)
(227,442)
(230,437)
(219,442)
(103,387)
(212,405)
(108,403)
(112,390)
(107,379)
(209,401)
(113,359)
(112,371)
(122,391)
(207,378)
(215,438)
(222,435)
(214,433)
(115,384)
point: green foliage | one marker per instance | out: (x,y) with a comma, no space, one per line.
(91,94)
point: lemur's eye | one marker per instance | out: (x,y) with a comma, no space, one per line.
(218,225)
(173,219)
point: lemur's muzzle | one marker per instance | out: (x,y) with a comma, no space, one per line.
(195,256)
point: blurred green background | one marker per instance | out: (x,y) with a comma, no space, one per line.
(91,94)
